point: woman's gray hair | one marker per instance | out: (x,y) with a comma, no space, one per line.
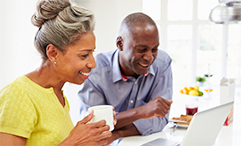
(60,24)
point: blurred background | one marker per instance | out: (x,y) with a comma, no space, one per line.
(197,44)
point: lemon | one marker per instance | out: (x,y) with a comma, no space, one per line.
(193,92)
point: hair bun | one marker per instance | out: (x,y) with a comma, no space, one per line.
(48,9)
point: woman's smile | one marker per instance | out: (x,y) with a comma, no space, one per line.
(85,75)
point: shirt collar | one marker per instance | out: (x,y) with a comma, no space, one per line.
(124,78)
(117,75)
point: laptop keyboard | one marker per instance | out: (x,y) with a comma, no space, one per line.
(176,144)
(161,142)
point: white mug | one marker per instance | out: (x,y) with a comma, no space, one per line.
(103,112)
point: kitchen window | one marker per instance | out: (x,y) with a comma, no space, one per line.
(193,41)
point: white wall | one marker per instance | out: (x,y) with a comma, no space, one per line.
(109,14)
(18,55)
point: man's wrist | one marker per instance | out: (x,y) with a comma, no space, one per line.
(128,130)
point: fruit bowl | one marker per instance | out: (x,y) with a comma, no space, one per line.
(192,90)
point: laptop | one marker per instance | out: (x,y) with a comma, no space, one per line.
(202,130)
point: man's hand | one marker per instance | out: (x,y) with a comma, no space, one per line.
(157,107)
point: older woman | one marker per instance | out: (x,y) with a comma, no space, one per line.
(33,109)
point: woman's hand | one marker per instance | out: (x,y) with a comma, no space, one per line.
(90,134)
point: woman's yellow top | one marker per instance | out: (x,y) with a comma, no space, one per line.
(31,111)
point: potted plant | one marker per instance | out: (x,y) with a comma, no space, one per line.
(200,80)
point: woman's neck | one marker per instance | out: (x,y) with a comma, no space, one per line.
(46,76)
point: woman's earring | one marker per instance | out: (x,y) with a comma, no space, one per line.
(54,62)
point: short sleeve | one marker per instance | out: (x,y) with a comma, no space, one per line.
(17,112)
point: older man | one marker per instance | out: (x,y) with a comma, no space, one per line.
(136,79)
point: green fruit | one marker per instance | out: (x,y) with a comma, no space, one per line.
(200,93)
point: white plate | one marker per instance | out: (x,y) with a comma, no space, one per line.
(179,125)
(182,126)
(175,121)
